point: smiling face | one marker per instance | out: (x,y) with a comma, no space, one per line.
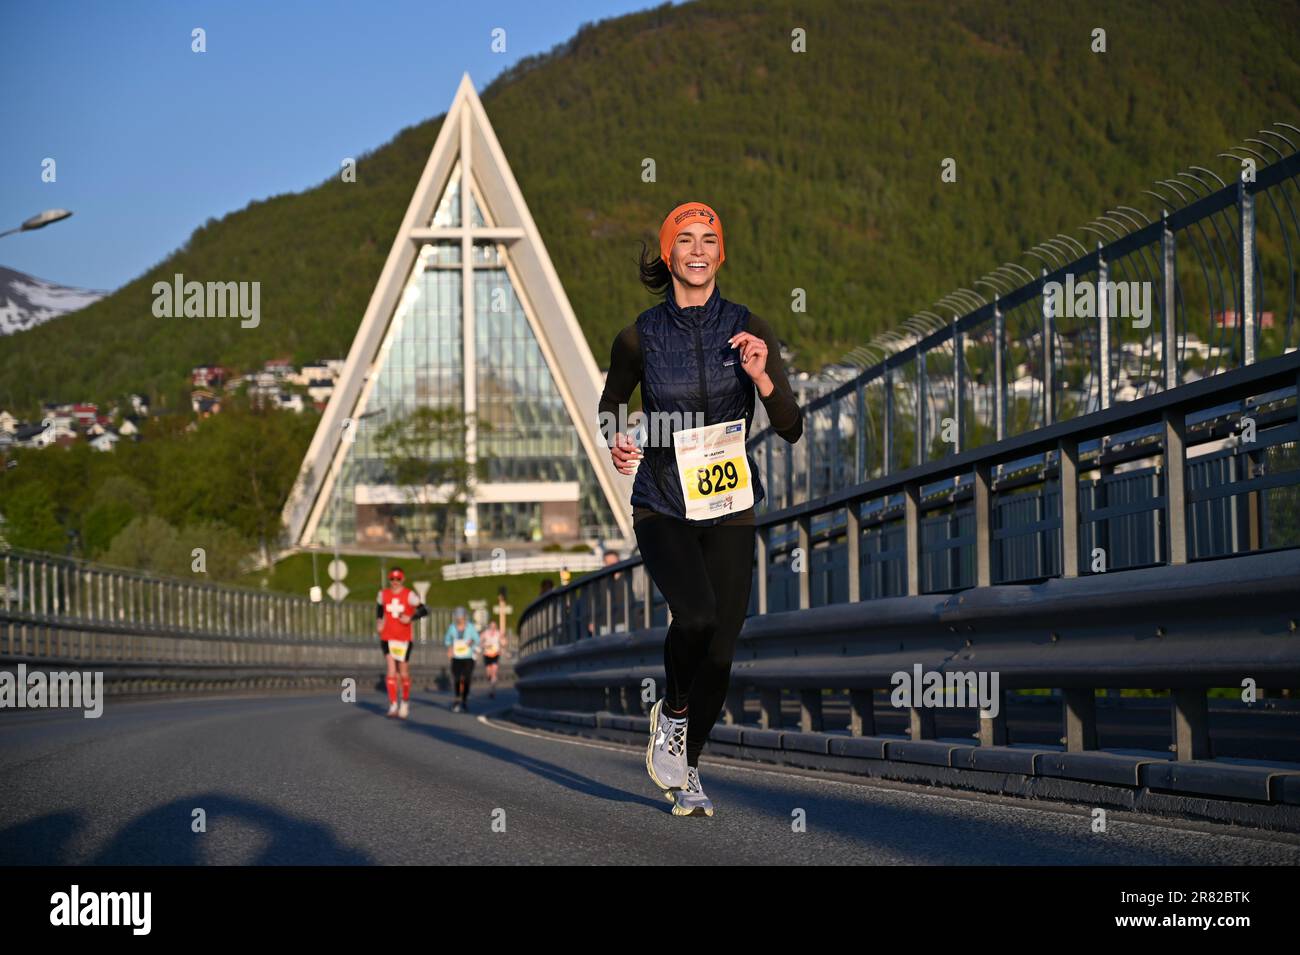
(695,255)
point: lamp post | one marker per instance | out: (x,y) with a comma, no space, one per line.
(39,221)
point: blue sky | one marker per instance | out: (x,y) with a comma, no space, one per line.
(151,139)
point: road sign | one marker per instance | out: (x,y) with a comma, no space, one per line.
(338,591)
(316,595)
(478,610)
(338,570)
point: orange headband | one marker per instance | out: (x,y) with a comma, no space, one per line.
(679,219)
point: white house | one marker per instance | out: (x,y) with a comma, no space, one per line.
(44,434)
(104,442)
(328,370)
(320,389)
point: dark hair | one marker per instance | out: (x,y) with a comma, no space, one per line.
(655,274)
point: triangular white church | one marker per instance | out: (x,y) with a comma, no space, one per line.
(468,286)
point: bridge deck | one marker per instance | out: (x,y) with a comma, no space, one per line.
(312,780)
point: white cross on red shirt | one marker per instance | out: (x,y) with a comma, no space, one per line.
(395,607)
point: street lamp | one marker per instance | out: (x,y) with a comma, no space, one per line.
(40,221)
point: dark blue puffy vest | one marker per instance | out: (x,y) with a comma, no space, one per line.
(683,356)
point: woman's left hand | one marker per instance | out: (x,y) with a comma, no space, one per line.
(753,354)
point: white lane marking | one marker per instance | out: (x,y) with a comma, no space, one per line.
(869,783)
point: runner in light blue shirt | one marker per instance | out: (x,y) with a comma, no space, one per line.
(462,642)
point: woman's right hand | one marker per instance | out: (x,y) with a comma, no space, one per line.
(624,454)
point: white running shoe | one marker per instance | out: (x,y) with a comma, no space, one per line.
(392,709)
(665,754)
(690,799)
(404,710)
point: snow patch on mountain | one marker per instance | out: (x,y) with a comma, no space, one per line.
(26,301)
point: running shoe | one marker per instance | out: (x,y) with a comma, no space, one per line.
(455,707)
(392,710)
(690,799)
(404,710)
(665,754)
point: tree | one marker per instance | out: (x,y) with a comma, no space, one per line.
(116,500)
(148,543)
(235,468)
(31,518)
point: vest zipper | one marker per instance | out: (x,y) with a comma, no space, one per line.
(704,386)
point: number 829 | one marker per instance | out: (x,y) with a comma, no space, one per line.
(716,479)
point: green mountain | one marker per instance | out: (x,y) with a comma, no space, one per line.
(824,164)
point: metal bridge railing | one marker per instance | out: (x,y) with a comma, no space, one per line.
(57,609)
(1116,516)
(1221,279)
(1159,481)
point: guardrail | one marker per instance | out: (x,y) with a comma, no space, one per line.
(63,611)
(924,565)
(535,564)
(982,370)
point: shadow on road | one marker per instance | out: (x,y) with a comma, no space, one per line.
(162,836)
(40,841)
(551,772)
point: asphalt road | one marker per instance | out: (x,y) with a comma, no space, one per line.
(313,780)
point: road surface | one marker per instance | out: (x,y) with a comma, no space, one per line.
(297,779)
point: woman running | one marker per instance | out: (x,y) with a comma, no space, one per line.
(699,360)
(462,642)
(492,642)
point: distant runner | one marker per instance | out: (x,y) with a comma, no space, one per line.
(493,643)
(462,642)
(397,608)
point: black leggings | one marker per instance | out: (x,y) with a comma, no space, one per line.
(705,573)
(462,671)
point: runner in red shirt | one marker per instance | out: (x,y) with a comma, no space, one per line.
(397,607)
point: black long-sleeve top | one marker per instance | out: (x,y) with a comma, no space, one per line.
(782,408)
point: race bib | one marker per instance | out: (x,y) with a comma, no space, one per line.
(460,648)
(713,469)
(397,649)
